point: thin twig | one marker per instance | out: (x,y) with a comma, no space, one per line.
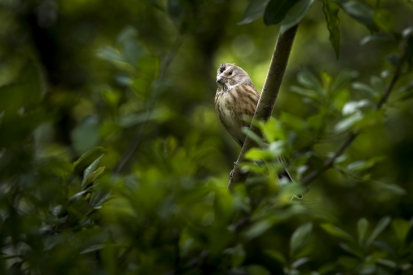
(133,144)
(353,135)
(268,97)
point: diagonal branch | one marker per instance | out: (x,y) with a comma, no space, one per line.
(353,135)
(268,97)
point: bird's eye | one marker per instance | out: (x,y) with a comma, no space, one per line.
(222,69)
(230,73)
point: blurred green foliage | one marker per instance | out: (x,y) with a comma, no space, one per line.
(113,161)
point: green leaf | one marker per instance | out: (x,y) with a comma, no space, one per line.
(348,262)
(86,134)
(88,154)
(299,262)
(331,10)
(379,228)
(383,19)
(360,13)
(110,54)
(259,154)
(373,257)
(387,263)
(255,10)
(276,10)
(295,14)
(305,92)
(299,236)
(401,228)
(308,79)
(130,120)
(343,79)
(393,188)
(352,107)
(92,248)
(352,249)
(89,170)
(394,59)
(362,226)
(375,37)
(237,253)
(272,130)
(365,88)
(294,122)
(362,165)
(348,122)
(253,136)
(276,255)
(25,92)
(378,84)
(257,270)
(335,231)
(258,228)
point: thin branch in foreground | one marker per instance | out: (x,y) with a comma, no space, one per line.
(133,144)
(268,97)
(353,135)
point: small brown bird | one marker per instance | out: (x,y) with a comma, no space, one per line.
(237,98)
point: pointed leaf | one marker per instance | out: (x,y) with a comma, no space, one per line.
(330,10)
(276,10)
(295,14)
(362,226)
(299,237)
(89,170)
(255,10)
(401,228)
(379,228)
(335,231)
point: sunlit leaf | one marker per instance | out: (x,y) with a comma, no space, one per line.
(259,154)
(348,122)
(352,107)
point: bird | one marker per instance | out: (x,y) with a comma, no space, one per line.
(236,99)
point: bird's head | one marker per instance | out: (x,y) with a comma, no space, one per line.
(230,74)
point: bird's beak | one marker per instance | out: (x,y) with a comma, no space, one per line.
(220,80)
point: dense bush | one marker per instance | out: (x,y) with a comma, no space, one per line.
(113,161)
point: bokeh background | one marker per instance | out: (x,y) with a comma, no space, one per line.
(77,75)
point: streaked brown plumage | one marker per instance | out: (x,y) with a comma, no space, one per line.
(235,100)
